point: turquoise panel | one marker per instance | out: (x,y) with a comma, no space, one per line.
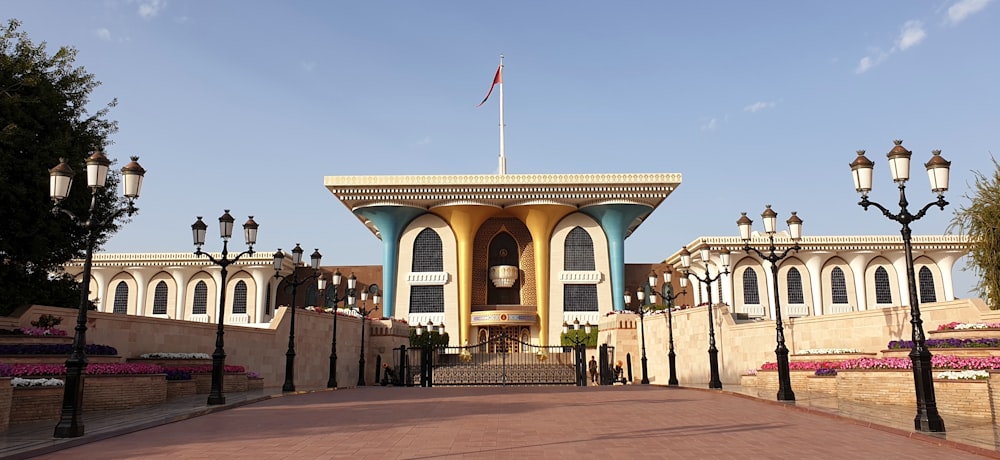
(390,222)
(615,220)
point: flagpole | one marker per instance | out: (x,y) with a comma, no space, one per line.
(503,157)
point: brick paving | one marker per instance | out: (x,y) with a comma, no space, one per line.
(617,422)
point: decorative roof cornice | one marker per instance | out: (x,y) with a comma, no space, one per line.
(170,259)
(942,243)
(503,190)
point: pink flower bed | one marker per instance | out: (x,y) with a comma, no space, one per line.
(937,362)
(32,370)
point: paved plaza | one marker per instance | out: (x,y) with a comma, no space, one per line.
(611,422)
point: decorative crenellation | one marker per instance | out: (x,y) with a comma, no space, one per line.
(581,277)
(442,181)
(427,278)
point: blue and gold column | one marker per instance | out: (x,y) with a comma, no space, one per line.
(615,220)
(390,222)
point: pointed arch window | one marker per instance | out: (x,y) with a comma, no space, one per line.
(312,296)
(883,293)
(240,298)
(579,251)
(838,286)
(200,306)
(121,299)
(751,295)
(428,253)
(927,292)
(794,283)
(160,299)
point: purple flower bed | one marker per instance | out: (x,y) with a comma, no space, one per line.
(206,368)
(824,372)
(947,343)
(177,374)
(54,349)
(35,370)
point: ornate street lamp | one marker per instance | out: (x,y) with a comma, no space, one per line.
(198,229)
(713,353)
(60,181)
(770,217)
(295,282)
(668,296)
(363,311)
(579,348)
(349,297)
(927,418)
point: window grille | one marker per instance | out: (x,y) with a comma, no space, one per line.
(121,299)
(927,293)
(200,306)
(240,298)
(883,293)
(751,295)
(160,299)
(794,283)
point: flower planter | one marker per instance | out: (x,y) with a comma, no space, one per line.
(31,404)
(826,384)
(829,357)
(56,359)
(968,398)
(987,333)
(748,381)
(33,339)
(255,384)
(107,392)
(231,383)
(181,388)
(768,379)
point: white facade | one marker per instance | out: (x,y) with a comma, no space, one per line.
(828,275)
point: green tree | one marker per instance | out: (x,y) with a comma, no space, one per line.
(44,116)
(980,221)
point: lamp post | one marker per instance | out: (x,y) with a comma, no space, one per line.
(60,181)
(198,229)
(713,352)
(668,296)
(927,418)
(770,218)
(645,307)
(578,348)
(349,296)
(363,311)
(295,282)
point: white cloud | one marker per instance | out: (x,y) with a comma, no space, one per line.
(965,8)
(874,58)
(710,125)
(758,106)
(103,34)
(308,66)
(149,9)
(911,34)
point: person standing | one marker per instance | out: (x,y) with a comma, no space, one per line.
(593,369)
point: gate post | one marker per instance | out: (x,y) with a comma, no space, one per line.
(605,365)
(581,365)
(401,373)
(628,361)
(426,366)
(378,368)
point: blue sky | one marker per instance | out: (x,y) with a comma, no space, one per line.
(248,105)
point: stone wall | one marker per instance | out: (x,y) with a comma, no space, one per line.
(747,344)
(259,347)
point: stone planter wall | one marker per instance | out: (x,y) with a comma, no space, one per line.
(105,392)
(969,398)
(230,382)
(749,381)
(171,362)
(768,380)
(256,384)
(181,388)
(56,359)
(33,339)
(945,352)
(964,334)
(822,384)
(34,404)
(6,394)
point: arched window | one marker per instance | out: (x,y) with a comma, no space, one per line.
(883,293)
(838,286)
(751,295)
(579,250)
(160,299)
(200,306)
(121,299)
(794,283)
(312,294)
(927,293)
(240,298)
(428,254)
(267,299)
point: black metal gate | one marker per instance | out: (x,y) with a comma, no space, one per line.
(502,360)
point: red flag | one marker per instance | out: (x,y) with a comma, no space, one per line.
(497,80)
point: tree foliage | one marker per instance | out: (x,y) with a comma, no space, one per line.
(43,117)
(980,221)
